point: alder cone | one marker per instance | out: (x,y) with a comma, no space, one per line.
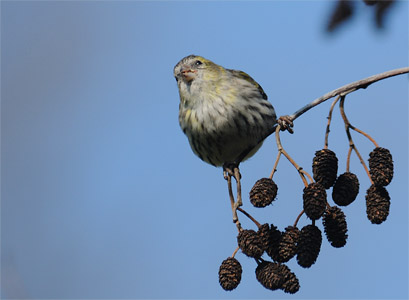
(273,245)
(381,166)
(325,167)
(269,275)
(345,189)
(335,227)
(263,192)
(230,274)
(291,284)
(315,200)
(250,243)
(377,204)
(309,245)
(288,243)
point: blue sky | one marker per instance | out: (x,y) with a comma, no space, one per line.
(101,196)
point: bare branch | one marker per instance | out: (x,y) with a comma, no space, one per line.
(235,251)
(351,142)
(298,218)
(275,165)
(292,161)
(249,216)
(329,122)
(360,84)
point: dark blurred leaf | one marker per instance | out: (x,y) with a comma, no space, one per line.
(380,11)
(370,2)
(344,9)
(342,12)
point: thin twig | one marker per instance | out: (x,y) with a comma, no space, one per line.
(249,216)
(235,251)
(364,134)
(275,165)
(351,143)
(358,130)
(281,149)
(298,218)
(229,186)
(308,175)
(329,121)
(349,158)
(360,84)
(231,196)
(237,176)
(362,162)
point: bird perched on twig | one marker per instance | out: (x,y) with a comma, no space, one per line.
(224,113)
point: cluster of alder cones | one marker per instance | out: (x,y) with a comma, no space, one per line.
(305,244)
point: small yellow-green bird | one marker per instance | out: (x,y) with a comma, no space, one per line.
(224,113)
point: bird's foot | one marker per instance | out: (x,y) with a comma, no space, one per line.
(286,123)
(232,170)
(229,170)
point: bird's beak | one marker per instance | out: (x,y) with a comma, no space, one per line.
(188,74)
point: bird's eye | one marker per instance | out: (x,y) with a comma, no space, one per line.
(198,63)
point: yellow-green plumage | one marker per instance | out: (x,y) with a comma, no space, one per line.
(223,112)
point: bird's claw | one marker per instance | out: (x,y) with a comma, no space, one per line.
(229,170)
(286,123)
(232,170)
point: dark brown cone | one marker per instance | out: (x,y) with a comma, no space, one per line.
(274,240)
(315,200)
(345,189)
(264,234)
(309,245)
(263,192)
(335,227)
(377,204)
(288,244)
(250,243)
(230,274)
(269,275)
(291,284)
(381,166)
(325,167)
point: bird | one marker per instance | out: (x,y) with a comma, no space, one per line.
(224,113)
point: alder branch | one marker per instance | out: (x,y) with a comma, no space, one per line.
(360,84)
(329,121)
(351,142)
(291,160)
(342,91)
